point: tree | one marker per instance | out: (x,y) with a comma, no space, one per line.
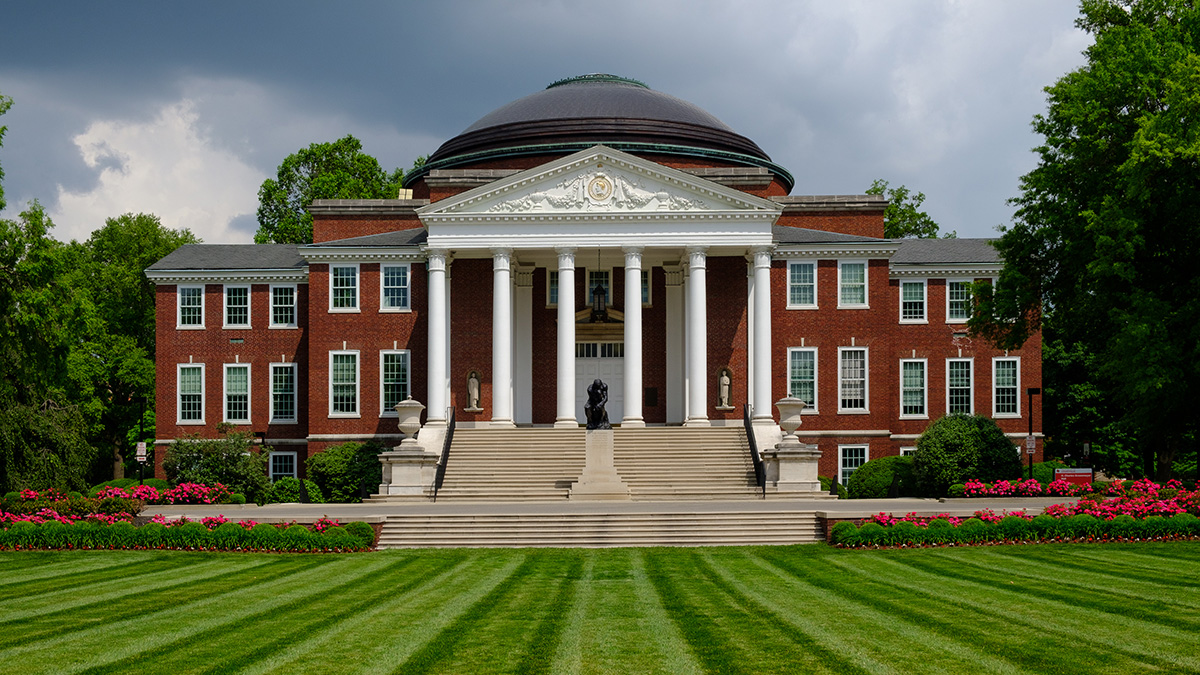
(229,460)
(904,217)
(5,104)
(956,448)
(1103,247)
(337,170)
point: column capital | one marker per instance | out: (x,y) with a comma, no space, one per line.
(566,257)
(501,258)
(696,256)
(435,258)
(762,255)
(633,256)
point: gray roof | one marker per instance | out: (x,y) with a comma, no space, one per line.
(784,234)
(232,257)
(945,251)
(413,237)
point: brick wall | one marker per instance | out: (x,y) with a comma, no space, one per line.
(333,227)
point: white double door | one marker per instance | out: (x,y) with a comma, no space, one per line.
(608,369)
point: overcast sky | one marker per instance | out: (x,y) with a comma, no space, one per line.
(182,110)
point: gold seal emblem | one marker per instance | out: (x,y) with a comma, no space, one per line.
(600,188)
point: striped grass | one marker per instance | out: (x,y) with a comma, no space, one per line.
(1114,608)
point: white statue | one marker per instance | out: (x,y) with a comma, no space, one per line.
(724,384)
(473,391)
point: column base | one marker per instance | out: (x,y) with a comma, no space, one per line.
(697,422)
(502,424)
(631,422)
(566,424)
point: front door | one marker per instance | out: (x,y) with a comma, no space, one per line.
(604,361)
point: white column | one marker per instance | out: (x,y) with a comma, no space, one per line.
(523,346)
(750,331)
(633,337)
(674,394)
(566,339)
(435,363)
(762,336)
(502,325)
(697,339)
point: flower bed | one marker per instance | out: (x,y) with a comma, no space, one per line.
(184,493)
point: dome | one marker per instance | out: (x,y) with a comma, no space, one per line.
(579,112)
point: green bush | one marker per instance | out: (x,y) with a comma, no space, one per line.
(193,535)
(237,498)
(872,534)
(233,461)
(344,471)
(1124,526)
(972,530)
(1084,525)
(1012,528)
(874,479)
(1186,523)
(152,534)
(1043,472)
(827,482)
(956,448)
(314,492)
(265,537)
(957,490)
(940,531)
(363,531)
(844,532)
(287,490)
(905,532)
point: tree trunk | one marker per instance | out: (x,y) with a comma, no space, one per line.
(118,462)
(1166,461)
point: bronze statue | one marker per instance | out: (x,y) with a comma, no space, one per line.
(597,416)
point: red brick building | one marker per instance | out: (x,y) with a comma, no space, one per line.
(596,229)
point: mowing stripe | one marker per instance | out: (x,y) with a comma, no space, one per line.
(1145,558)
(539,655)
(81,581)
(570,651)
(670,640)
(54,564)
(1116,570)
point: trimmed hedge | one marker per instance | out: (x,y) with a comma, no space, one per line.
(156,483)
(959,447)
(192,536)
(874,479)
(1013,529)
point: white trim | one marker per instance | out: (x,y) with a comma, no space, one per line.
(315,438)
(357,384)
(924,301)
(869,249)
(385,412)
(647,285)
(271,307)
(550,303)
(941,270)
(842,457)
(357,289)
(907,450)
(960,280)
(225,306)
(179,394)
(812,407)
(247,276)
(845,433)
(339,255)
(225,394)
(179,308)
(788,274)
(924,389)
(866,303)
(971,385)
(408,287)
(866,409)
(271,464)
(995,414)
(274,419)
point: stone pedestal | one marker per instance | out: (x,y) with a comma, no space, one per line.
(407,469)
(599,480)
(792,466)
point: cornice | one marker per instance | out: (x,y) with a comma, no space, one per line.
(944,270)
(863,250)
(162,277)
(362,253)
(601,217)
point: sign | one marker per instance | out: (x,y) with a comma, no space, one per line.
(141,451)
(1074,476)
(1030,444)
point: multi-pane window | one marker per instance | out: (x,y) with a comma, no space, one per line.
(850,458)
(191,393)
(237,306)
(958,300)
(612,350)
(852,283)
(1005,387)
(904,452)
(912,301)
(343,383)
(283,306)
(802,284)
(599,278)
(343,287)
(393,380)
(394,294)
(802,375)
(191,306)
(237,393)
(958,386)
(852,379)
(912,388)
(602,350)
(283,392)
(552,287)
(645,288)
(283,465)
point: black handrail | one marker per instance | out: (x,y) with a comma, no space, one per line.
(760,473)
(441,466)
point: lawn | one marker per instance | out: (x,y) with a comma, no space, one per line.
(1116,608)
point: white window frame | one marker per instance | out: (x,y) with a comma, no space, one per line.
(971,385)
(866,303)
(357,384)
(866,448)
(552,284)
(295,307)
(647,294)
(271,464)
(225,304)
(924,389)
(608,289)
(275,418)
(813,264)
(391,412)
(949,319)
(225,394)
(357,289)
(179,394)
(908,450)
(1007,415)
(811,408)
(179,308)
(924,300)
(866,409)
(382,298)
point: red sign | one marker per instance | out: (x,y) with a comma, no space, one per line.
(1074,476)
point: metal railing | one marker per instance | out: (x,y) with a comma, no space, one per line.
(441,465)
(760,472)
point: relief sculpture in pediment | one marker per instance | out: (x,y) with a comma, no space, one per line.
(598,191)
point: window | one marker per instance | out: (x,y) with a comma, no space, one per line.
(551,287)
(602,350)
(237,307)
(904,452)
(191,393)
(1006,383)
(850,457)
(237,393)
(343,384)
(852,284)
(912,388)
(191,307)
(645,288)
(393,296)
(283,393)
(343,288)
(959,392)
(802,285)
(958,301)
(802,376)
(852,379)
(283,307)
(912,301)
(393,380)
(283,465)
(600,277)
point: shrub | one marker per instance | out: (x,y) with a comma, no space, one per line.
(232,461)
(905,532)
(956,490)
(972,530)
(344,471)
(844,532)
(286,490)
(874,479)
(1043,472)
(957,447)
(940,531)
(1013,528)
(265,537)
(873,534)
(363,531)
(237,498)
(827,482)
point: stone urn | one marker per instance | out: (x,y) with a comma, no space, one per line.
(789,414)
(410,420)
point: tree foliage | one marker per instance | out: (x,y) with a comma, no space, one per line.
(1103,248)
(5,104)
(343,471)
(229,461)
(959,447)
(337,170)
(903,217)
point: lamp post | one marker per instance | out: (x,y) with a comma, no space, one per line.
(1030,441)
(141,445)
